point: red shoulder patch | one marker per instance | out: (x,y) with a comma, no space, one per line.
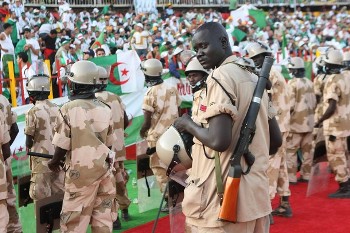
(203,108)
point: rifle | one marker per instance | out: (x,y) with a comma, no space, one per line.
(228,211)
(46,156)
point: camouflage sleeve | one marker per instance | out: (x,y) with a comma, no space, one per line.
(62,137)
(111,137)
(30,123)
(317,86)
(9,115)
(332,91)
(291,91)
(148,102)
(272,112)
(218,102)
(4,131)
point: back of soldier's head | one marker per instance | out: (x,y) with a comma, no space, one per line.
(83,77)
(103,79)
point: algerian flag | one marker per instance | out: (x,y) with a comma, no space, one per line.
(105,10)
(258,16)
(285,53)
(99,41)
(125,73)
(238,34)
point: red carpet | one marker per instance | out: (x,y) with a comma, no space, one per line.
(314,214)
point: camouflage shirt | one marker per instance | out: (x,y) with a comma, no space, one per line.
(4,138)
(40,123)
(319,82)
(337,87)
(117,107)
(280,99)
(10,117)
(302,105)
(85,130)
(163,102)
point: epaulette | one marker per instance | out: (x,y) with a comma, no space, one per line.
(104,103)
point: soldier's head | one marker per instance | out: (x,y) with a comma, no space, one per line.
(152,68)
(38,84)
(346,60)
(247,63)
(38,88)
(82,80)
(102,80)
(196,74)
(333,62)
(211,44)
(257,52)
(296,67)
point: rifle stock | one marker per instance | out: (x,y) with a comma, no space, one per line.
(228,211)
(230,197)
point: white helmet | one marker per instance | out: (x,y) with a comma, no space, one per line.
(296,63)
(255,48)
(102,72)
(39,83)
(247,62)
(178,50)
(174,149)
(334,57)
(194,65)
(152,67)
(84,72)
(186,56)
(322,54)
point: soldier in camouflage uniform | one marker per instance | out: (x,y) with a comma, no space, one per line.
(279,96)
(14,225)
(303,103)
(336,121)
(84,134)
(40,122)
(160,107)
(120,120)
(4,154)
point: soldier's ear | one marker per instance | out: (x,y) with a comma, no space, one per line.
(224,42)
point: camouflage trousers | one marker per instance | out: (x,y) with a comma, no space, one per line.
(336,155)
(260,225)
(46,184)
(14,225)
(95,205)
(301,141)
(158,168)
(4,216)
(277,172)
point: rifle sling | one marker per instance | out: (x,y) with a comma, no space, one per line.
(218,176)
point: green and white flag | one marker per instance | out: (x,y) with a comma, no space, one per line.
(124,69)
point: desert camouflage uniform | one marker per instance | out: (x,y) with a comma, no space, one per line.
(85,130)
(319,83)
(40,123)
(277,171)
(337,127)
(118,147)
(14,225)
(163,102)
(4,138)
(303,103)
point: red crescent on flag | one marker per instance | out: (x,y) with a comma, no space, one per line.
(14,155)
(112,77)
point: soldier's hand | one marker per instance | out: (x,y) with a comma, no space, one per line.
(54,166)
(125,175)
(143,133)
(120,188)
(182,122)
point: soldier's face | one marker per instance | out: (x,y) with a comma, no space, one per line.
(209,49)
